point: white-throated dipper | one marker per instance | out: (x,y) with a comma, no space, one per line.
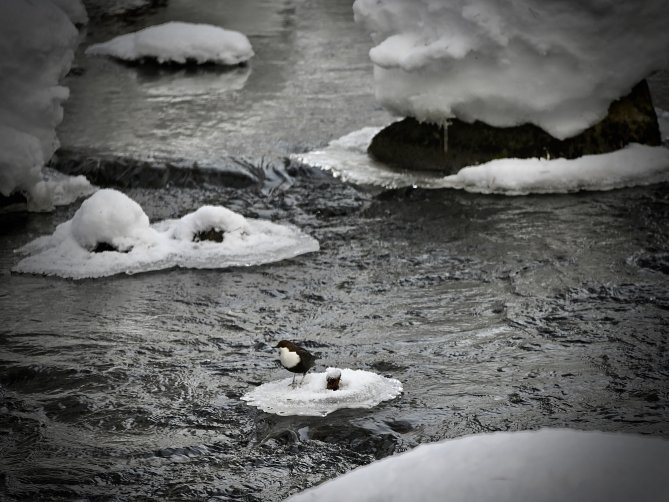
(296,359)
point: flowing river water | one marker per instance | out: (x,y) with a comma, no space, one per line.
(496,313)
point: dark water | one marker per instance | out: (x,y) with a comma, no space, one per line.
(496,313)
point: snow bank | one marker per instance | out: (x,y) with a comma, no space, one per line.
(37,40)
(357,389)
(556,64)
(633,165)
(110,218)
(178,42)
(543,466)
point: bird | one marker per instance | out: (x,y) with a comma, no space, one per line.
(295,359)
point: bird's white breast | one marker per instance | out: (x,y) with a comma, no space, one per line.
(288,358)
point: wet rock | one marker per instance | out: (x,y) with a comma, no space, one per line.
(102,247)
(127,172)
(333,377)
(15,201)
(409,144)
(212,234)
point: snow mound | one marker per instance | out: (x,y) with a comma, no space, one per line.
(555,64)
(109,217)
(110,234)
(550,465)
(633,165)
(357,389)
(178,42)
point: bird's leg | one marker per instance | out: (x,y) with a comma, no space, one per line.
(293,384)
(303,375)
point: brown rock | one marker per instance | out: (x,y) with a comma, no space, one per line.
(409,144)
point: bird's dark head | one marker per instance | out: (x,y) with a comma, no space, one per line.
(286,344)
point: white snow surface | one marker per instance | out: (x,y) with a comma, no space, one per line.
(633,165)
(556,64)
(111,217)
(37,42)
(549,465)
(178,42)
(357,389)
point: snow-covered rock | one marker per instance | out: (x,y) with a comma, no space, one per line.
(550,465)
(110,217)
(110,234)
(634,165)
(555,64)
(357,389)
(178,42)
(37,42)
(74,9)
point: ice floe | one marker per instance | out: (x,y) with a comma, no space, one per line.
(633,165)
(110,234)
(357,389)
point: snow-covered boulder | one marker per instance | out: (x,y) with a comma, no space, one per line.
(37,42)
(550,465)
(356,389)
(177,42)
(110,234)
(556,64)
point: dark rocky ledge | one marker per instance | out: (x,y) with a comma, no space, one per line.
(409,144)
(128,172)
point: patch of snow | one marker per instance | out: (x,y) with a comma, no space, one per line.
(357,389)
(37,42)
(555,64)
(633,165)
(178,42)
(110,217)
(550,465)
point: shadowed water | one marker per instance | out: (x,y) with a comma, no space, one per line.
(496,313)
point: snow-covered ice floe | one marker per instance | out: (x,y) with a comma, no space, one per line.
(357,389)
(110,234)
(633,165)
(178,42)
(549,465)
